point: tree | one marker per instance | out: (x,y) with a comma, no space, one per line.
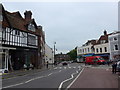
(73,54)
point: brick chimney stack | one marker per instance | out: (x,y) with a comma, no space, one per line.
(105,32)
(28,15)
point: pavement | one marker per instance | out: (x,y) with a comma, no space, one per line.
(97,77)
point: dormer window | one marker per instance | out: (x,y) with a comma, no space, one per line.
(102,41)
(31,27)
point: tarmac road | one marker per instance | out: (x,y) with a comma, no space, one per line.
(53,78)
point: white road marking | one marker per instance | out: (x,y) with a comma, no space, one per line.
(50,74)
(60,70)
(72,76)
(60,67)
(75,78)
(55,68)
(74,67)
(79,66)
(30,80)
(13,85)
(65,67)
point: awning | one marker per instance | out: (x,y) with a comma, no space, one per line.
(87,55)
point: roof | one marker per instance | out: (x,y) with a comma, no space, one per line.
(16,21)
(103,37)
(93,42)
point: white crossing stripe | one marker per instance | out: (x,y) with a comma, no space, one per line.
(74,67)
(55,68)
(65,67)
(60,67)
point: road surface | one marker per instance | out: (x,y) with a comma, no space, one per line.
(57,77)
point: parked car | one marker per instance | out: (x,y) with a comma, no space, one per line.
(64,63)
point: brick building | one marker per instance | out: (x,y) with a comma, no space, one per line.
(22,40)
(62,57)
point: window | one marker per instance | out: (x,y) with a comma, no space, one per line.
(88,50)
(3,34)
(100,49)
(0,34)
(116,47)
(105,49)
(1,18)
(115,38)
(85,50)
(102,41)
(32,40)
(31,27)
(80,51)
(17,32)
(97,50)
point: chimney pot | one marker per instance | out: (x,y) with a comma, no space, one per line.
(105,32)
(28,15)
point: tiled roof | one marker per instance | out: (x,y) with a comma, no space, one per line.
(15,14)
(93,42)
(16,21)
(103,37)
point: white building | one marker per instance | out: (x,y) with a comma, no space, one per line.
(114,43)
(102,48)
(95,47)
(86,49)
(49,56)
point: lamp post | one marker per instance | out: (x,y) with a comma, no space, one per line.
(54,53)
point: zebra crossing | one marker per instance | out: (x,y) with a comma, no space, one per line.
(67,67)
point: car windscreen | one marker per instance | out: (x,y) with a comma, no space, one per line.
(100,58)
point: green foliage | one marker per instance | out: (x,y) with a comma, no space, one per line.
(73,54)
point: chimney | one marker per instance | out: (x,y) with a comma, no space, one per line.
(28,15)
(105,32)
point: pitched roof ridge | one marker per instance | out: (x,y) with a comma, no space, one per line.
(15,15)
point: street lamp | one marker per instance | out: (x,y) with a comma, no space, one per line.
(54,53)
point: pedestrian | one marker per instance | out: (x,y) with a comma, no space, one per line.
(55,63)
(108,62)
(47,64)
(114,67)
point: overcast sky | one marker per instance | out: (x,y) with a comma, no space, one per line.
(70,24)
